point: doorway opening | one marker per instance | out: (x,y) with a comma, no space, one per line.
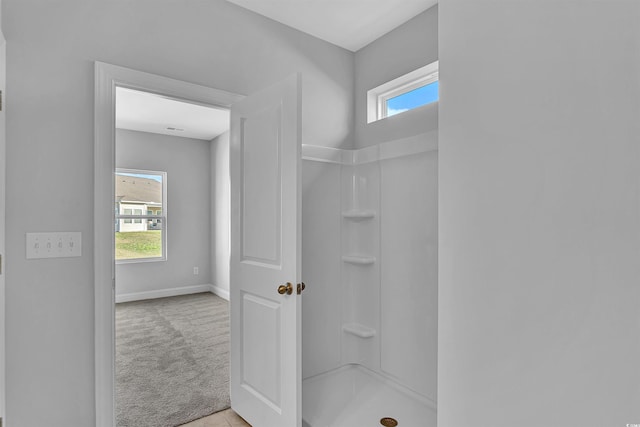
(171,327)
(110,79)
(264,162)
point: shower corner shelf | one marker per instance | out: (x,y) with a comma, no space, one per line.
(359,330)
(358,215)
(358,259)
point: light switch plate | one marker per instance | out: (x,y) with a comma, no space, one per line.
(54,245)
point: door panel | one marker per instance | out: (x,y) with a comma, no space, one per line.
(260,336)
(261,195)
(265,254)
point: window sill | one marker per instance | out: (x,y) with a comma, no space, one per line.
(139,260)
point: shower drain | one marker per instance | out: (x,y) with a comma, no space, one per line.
(388,422)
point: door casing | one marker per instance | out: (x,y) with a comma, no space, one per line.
(3,67)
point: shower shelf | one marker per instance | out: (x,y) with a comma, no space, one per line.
(358,259)
(359,330)
(357,215)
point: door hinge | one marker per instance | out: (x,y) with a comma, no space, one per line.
(0,274)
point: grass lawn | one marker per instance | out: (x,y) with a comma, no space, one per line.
(139,244)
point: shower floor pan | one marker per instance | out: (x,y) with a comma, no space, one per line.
(353,396)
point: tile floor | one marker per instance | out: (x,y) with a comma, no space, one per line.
(226,418)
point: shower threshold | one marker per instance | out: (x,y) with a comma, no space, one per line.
(355,396)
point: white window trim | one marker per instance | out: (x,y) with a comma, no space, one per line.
(378,96)
(163,217)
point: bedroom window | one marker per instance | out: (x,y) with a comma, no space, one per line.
(140,215)
(412,90)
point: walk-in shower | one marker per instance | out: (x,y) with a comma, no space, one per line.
(370,262)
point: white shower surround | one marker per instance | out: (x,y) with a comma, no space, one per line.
(382,312)
(421,143)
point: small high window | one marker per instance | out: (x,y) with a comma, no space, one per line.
(413,90)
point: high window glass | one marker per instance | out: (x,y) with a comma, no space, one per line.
(412,99)
(140,215)
(412,90)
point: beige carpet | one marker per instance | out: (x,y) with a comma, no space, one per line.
(172,360)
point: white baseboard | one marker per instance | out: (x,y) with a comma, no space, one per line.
(161,293)
(172,292)
(221,292)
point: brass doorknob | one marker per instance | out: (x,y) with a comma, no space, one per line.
(285,289)
(301,287)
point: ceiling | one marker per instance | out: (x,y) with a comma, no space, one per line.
(351,24)
(148,112)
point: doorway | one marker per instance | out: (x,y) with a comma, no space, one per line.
(172,332)
(265,148)
(108,79)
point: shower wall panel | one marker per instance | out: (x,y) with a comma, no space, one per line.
(361,266)
(409,275)
(321,263)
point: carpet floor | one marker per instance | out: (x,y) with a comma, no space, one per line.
(172,360)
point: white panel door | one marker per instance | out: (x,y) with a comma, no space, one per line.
(265,256)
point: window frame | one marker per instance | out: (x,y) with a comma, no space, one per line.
(377,97)
(145,217)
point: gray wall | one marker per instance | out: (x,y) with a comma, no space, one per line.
(51,47)
(3,69)
(187,164)
(539,213)
(409,47)
(221,214)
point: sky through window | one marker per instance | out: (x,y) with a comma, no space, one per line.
(413,99)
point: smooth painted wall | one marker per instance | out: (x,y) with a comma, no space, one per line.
(539,213)
(3,143)
(51,49)
(412,45)
(220,214)
(187,164)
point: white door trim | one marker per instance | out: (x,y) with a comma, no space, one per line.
(3,165)
(107,77)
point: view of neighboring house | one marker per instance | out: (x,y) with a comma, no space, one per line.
(136,195)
